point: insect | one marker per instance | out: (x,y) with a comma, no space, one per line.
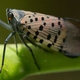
(52,33)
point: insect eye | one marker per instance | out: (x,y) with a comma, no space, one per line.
(10,16)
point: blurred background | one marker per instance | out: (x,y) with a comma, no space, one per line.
(60,8)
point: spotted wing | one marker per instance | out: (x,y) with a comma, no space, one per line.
(51,32)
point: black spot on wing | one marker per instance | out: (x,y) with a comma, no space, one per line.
(33,15)
(55,39)
(25,21)
(37,33)
(44,23)
(31,20)
(34,12)
(49,45)
(47,16)
(49,36)
(42,18)
(52,24)
(60,26)
(41,28)
(29,16)
(35,37)
(64,39)
(29,27)
(41,41)
(61,47)
(36,19)
(59,23)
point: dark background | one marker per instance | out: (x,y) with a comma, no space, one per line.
(60,8)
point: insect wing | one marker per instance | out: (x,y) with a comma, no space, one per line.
(44,29)
(52,33)
(72,42)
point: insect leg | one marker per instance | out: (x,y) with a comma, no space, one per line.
(30,51)
(15,41)
(5,25)
(7,39)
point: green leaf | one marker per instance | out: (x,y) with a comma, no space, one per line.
(18,66)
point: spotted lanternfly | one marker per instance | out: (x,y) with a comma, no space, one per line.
(52,33)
